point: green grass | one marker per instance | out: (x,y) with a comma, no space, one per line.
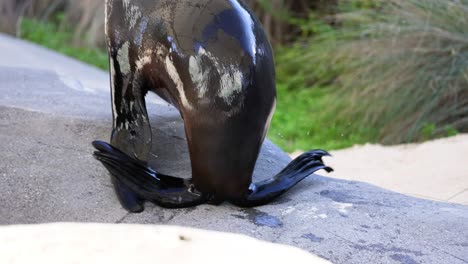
(300,121)
(309,98)
(394,76)
(49,35)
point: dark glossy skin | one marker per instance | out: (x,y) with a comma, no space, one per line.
(212,60)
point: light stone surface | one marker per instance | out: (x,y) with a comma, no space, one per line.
(47,174)
(431,170)
(123,244)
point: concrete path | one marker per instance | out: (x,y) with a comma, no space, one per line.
(75,74)
(47,174)
(434,170)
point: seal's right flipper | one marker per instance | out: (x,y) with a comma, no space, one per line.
(163,190)
(261,193)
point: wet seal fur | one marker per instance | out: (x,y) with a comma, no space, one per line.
(212,60)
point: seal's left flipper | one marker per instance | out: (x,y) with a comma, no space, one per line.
(263,192)
(129,200)
(163,190)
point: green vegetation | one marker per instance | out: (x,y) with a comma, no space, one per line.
(49,35)
(301,122)
(389,73)
(410,70)
(384,71)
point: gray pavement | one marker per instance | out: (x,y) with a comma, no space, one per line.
(47,174)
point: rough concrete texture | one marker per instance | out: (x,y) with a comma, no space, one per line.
(123,244)
(47,174)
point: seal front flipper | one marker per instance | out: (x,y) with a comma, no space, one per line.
(264,192)
(129,200)
(163,190)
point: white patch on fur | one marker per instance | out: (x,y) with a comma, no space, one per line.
(141,62)
(126,3)
(146,59)
(133,13)
(270,116)
(172,71)
(230,81)
(112,78)
(159,51)
(122,58)
(105,17)
(199,75)
(108,12)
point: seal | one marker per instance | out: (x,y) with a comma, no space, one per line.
(212,60)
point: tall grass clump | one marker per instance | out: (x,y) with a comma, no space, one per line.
(406,72)
(309,94)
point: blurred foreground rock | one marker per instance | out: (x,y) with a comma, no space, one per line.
(47,174)
(99,243)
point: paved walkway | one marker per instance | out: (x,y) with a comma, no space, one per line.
(77,75)
(434,170)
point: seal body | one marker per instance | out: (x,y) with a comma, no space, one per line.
(212,60)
